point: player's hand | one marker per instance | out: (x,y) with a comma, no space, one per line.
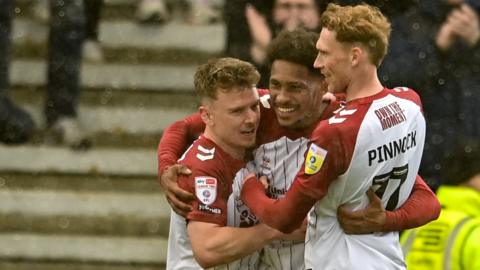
(445,37)
(178,198)
(368,220)
(260,31)
(264,180)
(328,97)
(465,23)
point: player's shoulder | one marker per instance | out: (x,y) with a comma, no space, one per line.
(343,116)
(405,93)
(202,153)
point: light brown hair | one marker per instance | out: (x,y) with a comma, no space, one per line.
(224,74)
(363,23)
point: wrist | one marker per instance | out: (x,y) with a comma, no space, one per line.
(164,166)
(390,221)
(270,233)
(474,40)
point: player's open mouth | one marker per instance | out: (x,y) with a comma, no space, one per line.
(286,109)
(248,132)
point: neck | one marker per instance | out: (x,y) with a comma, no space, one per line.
(364,84)
(235,152)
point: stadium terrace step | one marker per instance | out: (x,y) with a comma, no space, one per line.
(62,265)
(73,203)
(128,34)
(113,76)
(79,182)
(121,120)
(127,55)
(85,212)
(107,97)
(24,246)
(100,209)
(62,160)
(116,9)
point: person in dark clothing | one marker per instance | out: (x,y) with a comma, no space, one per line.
(451,102)
(16,126)
(67,33)
(251,25)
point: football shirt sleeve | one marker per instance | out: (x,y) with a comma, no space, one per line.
(176,138)
(210,203)
(421,207)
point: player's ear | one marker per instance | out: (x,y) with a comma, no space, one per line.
(356,54)
(205,114)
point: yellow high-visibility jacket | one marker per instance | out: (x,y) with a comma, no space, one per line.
(452,242)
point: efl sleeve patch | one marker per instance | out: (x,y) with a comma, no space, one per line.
(206,189)
(315,157)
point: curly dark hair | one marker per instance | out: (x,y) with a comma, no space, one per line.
(297,46)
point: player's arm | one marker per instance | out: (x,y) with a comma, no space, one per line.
(310,184)
(421,207)
(214,245)
(285,214)
(176,138)
(173,144)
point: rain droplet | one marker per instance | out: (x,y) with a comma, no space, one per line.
(63,223)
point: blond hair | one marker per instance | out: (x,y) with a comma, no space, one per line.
(363,23)
(224,74)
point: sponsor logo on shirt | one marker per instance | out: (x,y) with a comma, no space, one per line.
(390,115)
(206,208)
(206,189)
(315,157)
(275,192)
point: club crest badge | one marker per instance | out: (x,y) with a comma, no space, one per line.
(206,189)
(315,157)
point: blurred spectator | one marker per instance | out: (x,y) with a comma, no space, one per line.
(160,11)
(203,12)
(452,93)
(152,11)
(67,32)
(92,50)
(452,241)
(16,126)
(252,25)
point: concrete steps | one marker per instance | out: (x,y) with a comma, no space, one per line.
(23,246)
(100,209)
(122,34)
(120,119)
(100,161)
(112,76)
(66,265)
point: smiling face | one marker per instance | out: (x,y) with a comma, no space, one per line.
(232,119)
(334,61)
(295,93)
